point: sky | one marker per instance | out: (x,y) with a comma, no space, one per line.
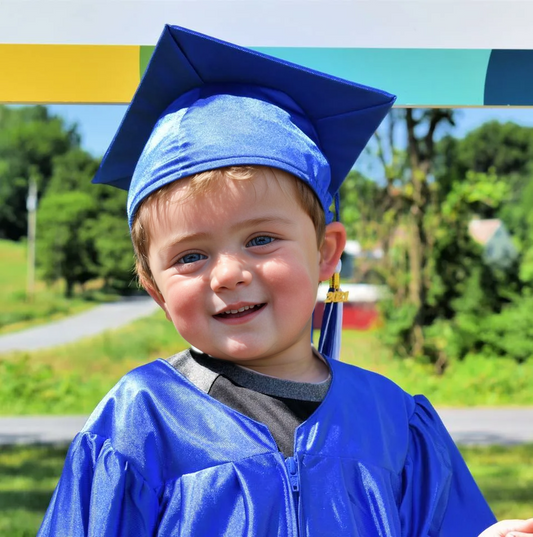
(97,124)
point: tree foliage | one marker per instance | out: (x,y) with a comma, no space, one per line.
(30,139)
(65,246)
(445,300)
(98,243)
(82,230)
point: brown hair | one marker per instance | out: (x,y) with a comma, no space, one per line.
(200,184)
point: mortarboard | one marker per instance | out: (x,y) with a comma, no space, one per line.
(205,103)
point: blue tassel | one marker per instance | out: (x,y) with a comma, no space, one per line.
(330,334)
(329,343)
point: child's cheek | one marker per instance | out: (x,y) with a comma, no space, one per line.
(289,281)
(184,303)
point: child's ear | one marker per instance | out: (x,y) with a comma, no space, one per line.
(331,249)
(153,291)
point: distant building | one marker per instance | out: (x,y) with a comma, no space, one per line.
(354,256)
(352,251)
(498,247)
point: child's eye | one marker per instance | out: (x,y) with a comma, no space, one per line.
(191,258)
(261,241)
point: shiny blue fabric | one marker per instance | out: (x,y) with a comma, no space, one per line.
(280,114)
(230,125)
(160,457)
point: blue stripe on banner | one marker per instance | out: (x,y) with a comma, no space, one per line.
(510,78)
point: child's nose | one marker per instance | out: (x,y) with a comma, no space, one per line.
(228,273)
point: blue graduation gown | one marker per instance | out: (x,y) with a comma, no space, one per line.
(160,457)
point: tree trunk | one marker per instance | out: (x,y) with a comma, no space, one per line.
(410,200)
(417,242)
(69,289)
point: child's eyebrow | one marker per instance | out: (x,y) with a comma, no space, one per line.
(183,237)
(251,222)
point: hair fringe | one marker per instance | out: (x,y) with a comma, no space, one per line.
(198,185)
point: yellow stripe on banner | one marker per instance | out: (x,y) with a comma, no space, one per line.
(68,73)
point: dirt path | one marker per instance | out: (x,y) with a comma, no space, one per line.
(467,425)
(89,323)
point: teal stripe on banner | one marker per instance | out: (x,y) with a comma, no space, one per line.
(419,77)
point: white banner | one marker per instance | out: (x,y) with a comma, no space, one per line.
(421,24)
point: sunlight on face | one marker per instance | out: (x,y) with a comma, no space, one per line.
(238,268)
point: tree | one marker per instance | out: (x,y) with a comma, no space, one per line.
(409,198)
(65,248)
(82,230)
(114,251)
(73,170)
(89,238)
(30,139)
(506,147)
(434,270)
(362,208)
(492,315)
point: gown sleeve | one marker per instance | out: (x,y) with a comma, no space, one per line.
(440,497)
(99,493)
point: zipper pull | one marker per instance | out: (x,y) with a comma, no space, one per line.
(292,468)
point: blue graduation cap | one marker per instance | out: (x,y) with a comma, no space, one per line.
(205,103)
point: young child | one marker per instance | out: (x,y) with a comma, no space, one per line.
(232,160)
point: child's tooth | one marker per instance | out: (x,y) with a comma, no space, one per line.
(240,310)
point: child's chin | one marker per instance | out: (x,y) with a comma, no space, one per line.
(240,353)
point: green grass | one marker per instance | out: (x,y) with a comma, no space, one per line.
(505,475)
(73,378)
(471,382)
(16,312)
(28,476)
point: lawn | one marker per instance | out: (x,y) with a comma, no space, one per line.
(28,476)
(471,382)
(48,303)
(72,379)
(505,475)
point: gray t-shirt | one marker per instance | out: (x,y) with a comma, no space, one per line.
(281,405)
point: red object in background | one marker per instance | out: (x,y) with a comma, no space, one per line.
(356,315)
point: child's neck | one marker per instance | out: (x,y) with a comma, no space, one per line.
(314,369)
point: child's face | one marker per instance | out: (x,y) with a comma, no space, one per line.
(238,269)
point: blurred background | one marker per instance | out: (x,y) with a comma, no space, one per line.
(439,212)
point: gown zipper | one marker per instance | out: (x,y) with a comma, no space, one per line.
(294,480)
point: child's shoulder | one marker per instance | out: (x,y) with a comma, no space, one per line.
(143,414)
(142,390)
(392,421)
(371,387)
(378,398)
(384,394)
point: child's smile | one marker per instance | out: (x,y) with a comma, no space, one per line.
(238,268)
(238,313)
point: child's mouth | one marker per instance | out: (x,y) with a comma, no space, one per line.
(241,312)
